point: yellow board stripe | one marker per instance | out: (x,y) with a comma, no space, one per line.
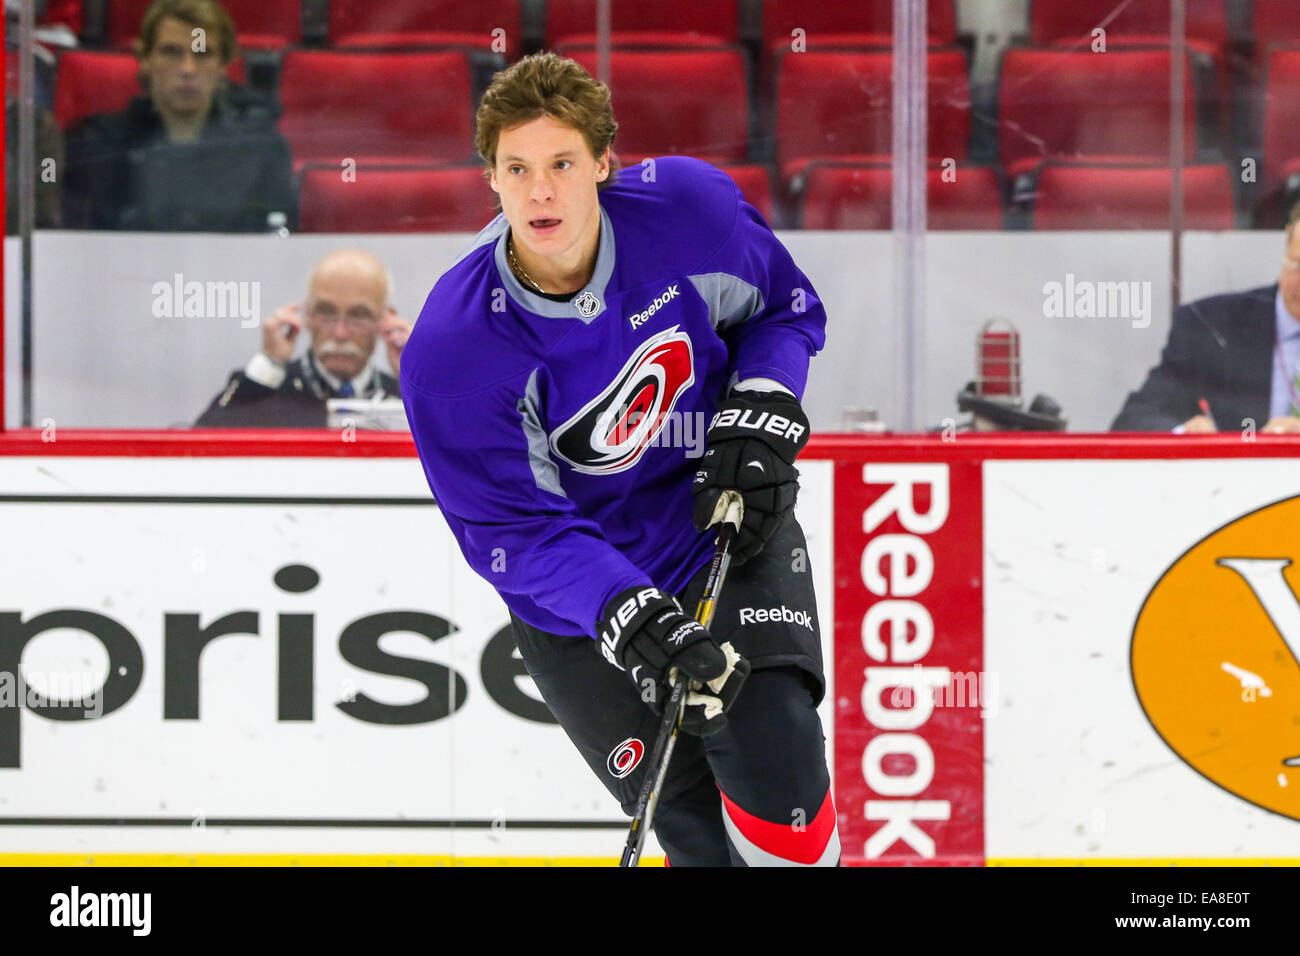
(1143,861)
(300,859)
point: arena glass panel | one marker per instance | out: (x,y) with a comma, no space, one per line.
(1137,153)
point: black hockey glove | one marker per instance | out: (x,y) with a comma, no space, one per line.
(645,633)
(752,443)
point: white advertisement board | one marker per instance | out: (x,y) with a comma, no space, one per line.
(290,656)
(1147,660)
(277,655)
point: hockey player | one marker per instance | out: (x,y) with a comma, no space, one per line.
(559,384)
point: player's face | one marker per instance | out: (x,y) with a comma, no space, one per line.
(181,81)
(1290,281)
(546,178)
(343,313)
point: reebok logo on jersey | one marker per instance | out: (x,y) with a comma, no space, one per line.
(758,421)
(660,301)
(612,431)
(762,615)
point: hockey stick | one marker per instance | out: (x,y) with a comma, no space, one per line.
(729,509)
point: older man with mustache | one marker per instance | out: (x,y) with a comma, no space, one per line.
(347,311)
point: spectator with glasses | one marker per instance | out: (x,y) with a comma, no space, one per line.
(1231,360)
(347,312)
(195,153)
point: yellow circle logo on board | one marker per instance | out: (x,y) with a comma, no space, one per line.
(1216,657)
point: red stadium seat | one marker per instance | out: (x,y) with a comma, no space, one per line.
(417,40)
(123,22)
(691,102)
(412,106)
(91,83)
(11,71)
(755,184)
(1275,21)
(644,23)
(65,12)
(1138,20)
(862,17)
(1127,197)
(840,102)
(410,23)
(754,181)
(1076,104)
(835,195)
(1138,23)
(1282,116)
(395,199)
(259,24)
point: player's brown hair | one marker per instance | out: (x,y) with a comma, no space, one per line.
(545,84)
(211,16)
(1294,218)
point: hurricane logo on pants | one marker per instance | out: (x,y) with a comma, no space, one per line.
(613,430)
(624,758)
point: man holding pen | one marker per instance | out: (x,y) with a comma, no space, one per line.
(1231,360)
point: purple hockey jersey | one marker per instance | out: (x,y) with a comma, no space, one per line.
(560,438)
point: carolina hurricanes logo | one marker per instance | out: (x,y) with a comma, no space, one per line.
(624,758)
(614,429)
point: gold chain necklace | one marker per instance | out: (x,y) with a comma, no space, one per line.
(519,270)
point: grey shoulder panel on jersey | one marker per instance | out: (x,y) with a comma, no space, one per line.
(731,300)
(546,474)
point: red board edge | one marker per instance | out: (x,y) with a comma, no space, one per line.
(322,443)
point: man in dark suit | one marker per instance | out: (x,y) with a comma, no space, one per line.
(347,312)
(1240,353)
